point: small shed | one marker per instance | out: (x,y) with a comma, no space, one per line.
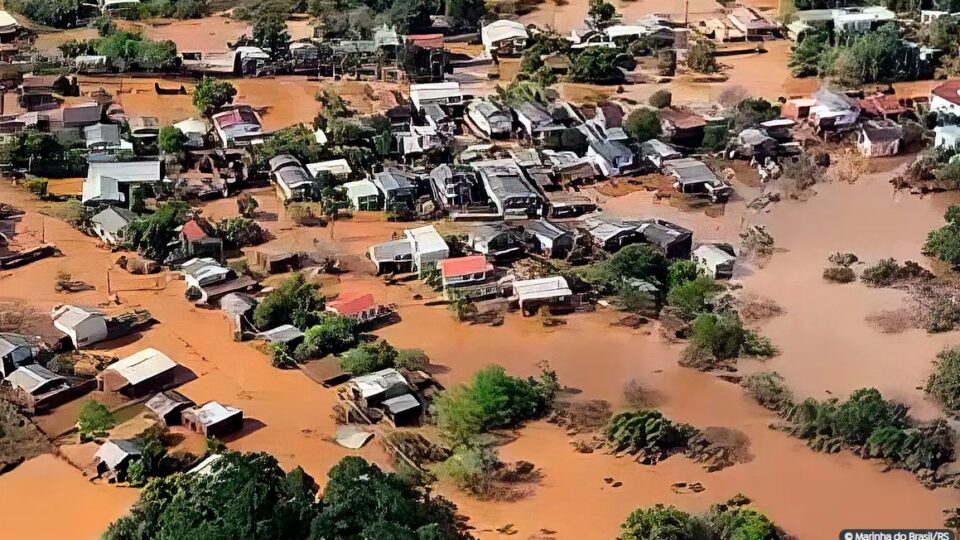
(403,410)
(374,388)
(114,456)
(878,138)
(674,240)
(550,239)
(84,327)
(656,152)
(110,224)
(138,374)
(16,350)
(168,406)
(213,419)
(715,261)
(363,195)
(286,333)
(534,293)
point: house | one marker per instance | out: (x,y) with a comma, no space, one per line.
(139,374)
(508,189)
(213,419)
(339,169)
(833,110)
(105,138)
(399,187)
(114,457)
(35,380)
(945,97)
(374,388)
(168,406)
(111,181)
(44,92)
(946,136)
(752,143)
(83,327)
(549,239)
(882,106)
(363,195)
(496,240)
(845,19)
(674,240)
(779,128)
(203,272)
(144,128)
(16,350)
(569,168)
(238,126)
(360,307)
(504,38)
(453,186)
(395,256)
(797,108)
(195,131)
(445,94)
(249,60)
(611,234)
(418,250)
(196,240)
(751,23)
(238,306)
(464,271)
(715,261)
(532,294)
(402,410)
(489,119)
(681,127)
(422,139)
(438,118)
(878,138)
(537,123)
(611,157)
(110,224)
(287,334)
(12,32)
(293,181)
(656,152)
(694,177)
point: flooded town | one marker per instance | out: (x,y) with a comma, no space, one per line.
(467,269)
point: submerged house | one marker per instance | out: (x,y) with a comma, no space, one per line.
(139,374)
(611,157)
(168,406)
(110,224)
(656,152)
(681,127)
(399,187)
(694,177)
(361,307)
(388,391)
(532,294)
(83,327)
(212,419)
(714,261)
(833,110)
(508,189)
(504,38)
(496,240)
(196,240)
(238,126)
(453,187)
(611,234)
(878,138)
(443,94)
(114,456)
(550,239)
(492,121)
(419,250)
(34,380)
(15,351)
(293,181)
(537,124)
(674,240)
(464,272)
(363,195)
(111,181)
(945,97)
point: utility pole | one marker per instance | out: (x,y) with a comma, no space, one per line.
(686,14)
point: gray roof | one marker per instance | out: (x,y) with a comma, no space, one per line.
(690,171)
(283,160)
(604,228)
(394,179)
(10,342)
(394,250)
(537,114)
(612,151)
(662,233)
(282,334)
(113,219)
(504,179)
(399,404)
(126,171)
(81,113)
(237,303)
(546,229)
(434,112)
(114,451)
(166,402)
(32,377)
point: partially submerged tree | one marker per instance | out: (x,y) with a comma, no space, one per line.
(333,334)
(210,95)
(944,243)
(642,125)
(270,34)
(152,235)
(296,301)
(171,140)
(94,420)
(602,14)
(943,385)
(368,357)
(700,58)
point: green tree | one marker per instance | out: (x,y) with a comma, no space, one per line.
(210,95)
(943,385)
(643,125)
(694,297)
(660,523)
(333,334)
(296,301)
(682,271)
(152,235)
(660,99)
(410,15)
(368,357)
(240,232)
(700,58)
(171,140)
(944,243)
(602,14)
(721,334)
(412,359)
(465,13)
(807,56)
(596,65)
(270,34)
(94,420)
(298,141)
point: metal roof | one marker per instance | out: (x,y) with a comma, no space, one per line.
(30,377)
(114,451)
(113,219)
(548,287)
(378,382)
(212,412)
(690,171)
(164,403)
(282,334)
(333,166)
(102,134)
(426,239)
(502,30)
(10,342)
(399,404)
(72,316)
(142,366)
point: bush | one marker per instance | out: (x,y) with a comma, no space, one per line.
(648,432)
(888,272)
(492,400)
(368,357)
(332,335)
(240,232)
(843,259)
(412,359)
(839,274)
(94,420)
(661,523)
(944,243)
(642,125)
(471,468)
(152,236)
(700,58)
(692,298)
(661,99)
(943,385)
(682,271)
(296,301)
(769,390)
(280,356)
(721,334)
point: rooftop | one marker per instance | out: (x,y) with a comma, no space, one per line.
(142,366)
(464,266)
(352,303)
(212,412)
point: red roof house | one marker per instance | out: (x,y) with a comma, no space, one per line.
(349,305)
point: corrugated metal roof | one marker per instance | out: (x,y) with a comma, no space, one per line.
(143,366)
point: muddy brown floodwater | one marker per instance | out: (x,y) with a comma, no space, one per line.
(825,346)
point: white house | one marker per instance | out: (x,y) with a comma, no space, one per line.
(946,136)
(945,98)
(504,37)
(83,327)
(338,168)
(195,130)
(877,139)
(532,293)
(110,180)
(442,93)
(110,224)
(715,262)
(363,195)
(428,247)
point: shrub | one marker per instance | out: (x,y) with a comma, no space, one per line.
(769,390)
(839,274)
(642,125)
(721,334)
(681,271)
(944,243)
(94,420)
(648,432)
(171,140)
(843,259)
(412,359)
(888,272)
(492,400)
(662,523)
(660,99)
(296,301)
(943,385)
(471,468)
(368,357)
(333,334)
(280,356)
(240,232)
(692,298)
(153,235)
(700,58)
